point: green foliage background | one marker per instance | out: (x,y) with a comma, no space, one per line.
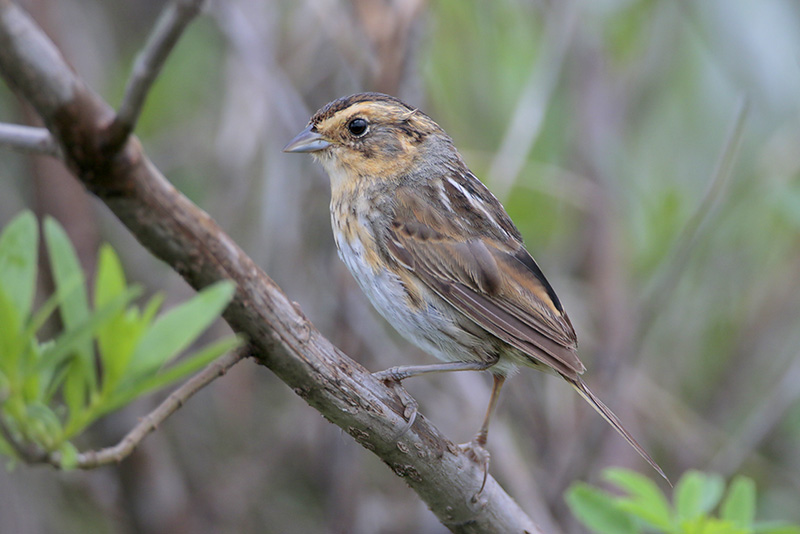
(610,118)
(52,390)
(697,506)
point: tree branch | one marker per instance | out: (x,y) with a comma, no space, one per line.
(186,238)
(170,25)
(29,139)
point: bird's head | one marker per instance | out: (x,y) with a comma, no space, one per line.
(371,135)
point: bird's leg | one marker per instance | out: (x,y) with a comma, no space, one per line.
(393,377)
(476,449)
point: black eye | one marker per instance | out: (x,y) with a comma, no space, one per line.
(357,127)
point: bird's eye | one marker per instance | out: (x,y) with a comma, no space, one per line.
(357,127)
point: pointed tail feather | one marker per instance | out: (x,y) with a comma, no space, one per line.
(584,391)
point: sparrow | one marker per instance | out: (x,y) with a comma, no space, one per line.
(437,255)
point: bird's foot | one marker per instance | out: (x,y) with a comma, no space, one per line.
(477,452)
(393,379)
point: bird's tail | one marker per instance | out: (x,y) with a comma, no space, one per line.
(584,391)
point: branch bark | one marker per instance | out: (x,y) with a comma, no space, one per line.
(186,238)
(29,139)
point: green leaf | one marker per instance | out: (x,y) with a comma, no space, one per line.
(696,494)
(41,315)
(5,388)
(73,308)
(110,279)
(713,488)
(122,335)
(645,500)
(76,394)
(152,307)
(117,338)
(710,525)
(739,506)
(41,425)
(776,527)
(598,511)
(14,407)
(32,390)
(9,421)
(715,526)
(69,456)
(177,329)
(171,374)
(11,339)
(65,345)
(67,275)
(19,244)
(5,448)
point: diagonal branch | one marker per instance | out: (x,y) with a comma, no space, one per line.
(654,298)
(29,139)
(281,338)
(528,116)
(170,25)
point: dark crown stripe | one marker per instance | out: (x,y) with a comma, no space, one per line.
(345,102)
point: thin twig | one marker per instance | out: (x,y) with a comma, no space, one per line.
(148,423)
(653,300)
(526,121)
(170,25)
(29,139)
(91,459)
(763,420)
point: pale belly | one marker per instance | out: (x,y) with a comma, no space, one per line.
(433,327)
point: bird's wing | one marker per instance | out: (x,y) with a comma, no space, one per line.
(493,282)
(490,277)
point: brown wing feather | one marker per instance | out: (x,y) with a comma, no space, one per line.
(509,328)
(487,282)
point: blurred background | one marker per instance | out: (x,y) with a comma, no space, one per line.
(601,125)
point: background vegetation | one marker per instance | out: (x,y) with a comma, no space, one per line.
(599,124)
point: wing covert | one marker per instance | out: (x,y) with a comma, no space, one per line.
(496,284)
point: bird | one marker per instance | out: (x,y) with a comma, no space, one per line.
(437,254)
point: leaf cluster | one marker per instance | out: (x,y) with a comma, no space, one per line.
(643,508)
(106,354)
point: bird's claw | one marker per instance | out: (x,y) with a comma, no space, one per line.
(477,452)
(410,405)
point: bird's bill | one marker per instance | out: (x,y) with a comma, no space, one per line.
(307,141)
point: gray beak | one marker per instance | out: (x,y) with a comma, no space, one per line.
(307,141)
